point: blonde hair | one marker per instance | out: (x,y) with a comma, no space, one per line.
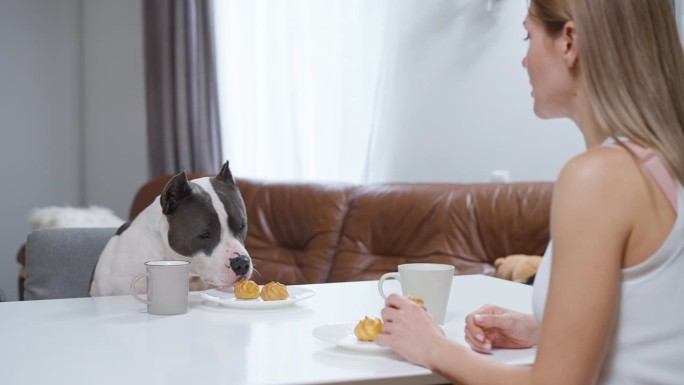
(632,64)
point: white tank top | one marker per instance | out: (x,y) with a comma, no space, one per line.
(648,346)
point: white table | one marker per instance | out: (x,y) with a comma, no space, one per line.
(112,340)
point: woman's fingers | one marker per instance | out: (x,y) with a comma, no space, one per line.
(492,321)
(472,328)
(382,339)
(478,342)
(399,302)
(388,314)
(484,348)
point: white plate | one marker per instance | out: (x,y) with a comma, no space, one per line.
(226,297)
(342,335)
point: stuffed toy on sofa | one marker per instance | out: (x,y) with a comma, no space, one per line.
(518,268)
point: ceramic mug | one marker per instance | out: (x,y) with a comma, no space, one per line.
(430,282)
(167,287)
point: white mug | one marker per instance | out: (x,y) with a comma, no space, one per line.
(167,287)
(430,282)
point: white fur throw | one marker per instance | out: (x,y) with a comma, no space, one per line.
(66,216)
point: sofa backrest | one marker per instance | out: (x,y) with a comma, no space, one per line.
(310,233)
(293,228)
(465,225)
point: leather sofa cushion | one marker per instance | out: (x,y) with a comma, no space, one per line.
(293,228)
(468,226)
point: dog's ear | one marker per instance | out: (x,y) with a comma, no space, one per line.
(174,192)
(225,175)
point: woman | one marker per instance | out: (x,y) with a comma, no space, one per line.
(610,289)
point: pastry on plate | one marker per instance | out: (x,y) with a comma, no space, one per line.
(417,300)
(368,328)
(246,290)
(274,291)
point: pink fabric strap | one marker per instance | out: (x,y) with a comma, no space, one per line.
(658,171)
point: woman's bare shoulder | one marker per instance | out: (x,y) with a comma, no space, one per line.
(604,184)
(600,167)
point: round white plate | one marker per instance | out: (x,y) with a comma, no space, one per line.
(342,334)
(226,297)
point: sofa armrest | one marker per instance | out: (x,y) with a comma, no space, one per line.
(60,262)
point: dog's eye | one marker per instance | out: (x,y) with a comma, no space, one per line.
(243,225)
(206,235)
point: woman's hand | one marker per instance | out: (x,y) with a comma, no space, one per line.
(496,327)
(409,330)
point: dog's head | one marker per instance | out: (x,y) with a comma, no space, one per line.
(207,225)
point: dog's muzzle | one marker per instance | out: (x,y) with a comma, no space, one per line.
(240,264)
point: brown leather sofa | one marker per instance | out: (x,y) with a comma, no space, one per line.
(324,232)
(309,233)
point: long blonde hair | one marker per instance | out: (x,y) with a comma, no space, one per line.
(632,64)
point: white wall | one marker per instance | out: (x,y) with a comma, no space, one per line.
(72,105)
(456,98)
(114,120)
(40,129)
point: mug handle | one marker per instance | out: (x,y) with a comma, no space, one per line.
(394,275)
(135,295)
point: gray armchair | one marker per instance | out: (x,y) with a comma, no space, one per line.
(60,262)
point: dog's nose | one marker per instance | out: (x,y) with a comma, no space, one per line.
(240,264)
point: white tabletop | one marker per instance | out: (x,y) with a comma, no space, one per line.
(112,340)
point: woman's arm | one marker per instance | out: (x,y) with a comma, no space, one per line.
(590,224)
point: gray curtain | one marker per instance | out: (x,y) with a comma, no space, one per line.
(183,125)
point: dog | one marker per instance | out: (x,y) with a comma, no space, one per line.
(202,221)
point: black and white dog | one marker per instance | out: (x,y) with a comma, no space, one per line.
(202,221)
